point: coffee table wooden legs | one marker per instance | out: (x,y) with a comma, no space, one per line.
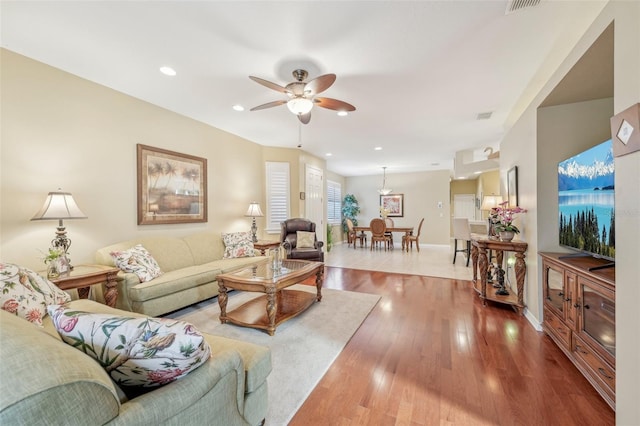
(272,308)
(222,301)
(319,280)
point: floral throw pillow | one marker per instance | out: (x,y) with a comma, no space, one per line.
(146,352)
(138,261)
(238,244)
(26,294)
(305,239)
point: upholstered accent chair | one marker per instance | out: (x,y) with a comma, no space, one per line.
(353,235)
(298,242)
(378,233)
(407,241)
(461,231)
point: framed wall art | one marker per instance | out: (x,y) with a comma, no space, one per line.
(172,187)
(393,203)
(512,186)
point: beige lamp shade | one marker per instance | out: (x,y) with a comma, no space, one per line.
(254,210)
(59,205)
(490,202)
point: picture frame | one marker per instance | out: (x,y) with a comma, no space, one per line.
(512,186)
(172,187)
(394,203)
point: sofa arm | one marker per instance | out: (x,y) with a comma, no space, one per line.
(319,244)
(212,392)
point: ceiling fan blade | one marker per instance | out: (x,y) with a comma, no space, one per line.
(268,105)
(268,84)
(305,118)
(334,104)
(320,84)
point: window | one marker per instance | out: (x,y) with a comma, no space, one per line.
(334,203)
(277,195)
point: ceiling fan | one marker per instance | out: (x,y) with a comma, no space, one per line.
(302,95)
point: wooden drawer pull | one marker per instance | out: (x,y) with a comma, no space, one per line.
(604,373)
(579,349)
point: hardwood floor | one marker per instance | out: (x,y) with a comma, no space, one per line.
(430,353)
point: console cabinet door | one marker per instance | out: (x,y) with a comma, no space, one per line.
(571,299)
(554,288)
(596,319)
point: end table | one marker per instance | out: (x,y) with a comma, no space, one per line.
(84,276)
(264,245)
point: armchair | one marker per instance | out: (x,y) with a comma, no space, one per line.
(289,237)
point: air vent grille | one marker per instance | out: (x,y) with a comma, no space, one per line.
(484,115)
(515,5)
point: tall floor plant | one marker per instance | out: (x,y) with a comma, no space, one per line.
(350,210)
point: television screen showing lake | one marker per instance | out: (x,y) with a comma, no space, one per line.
(586,201)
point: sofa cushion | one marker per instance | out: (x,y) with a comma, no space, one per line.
(138,261)
(147,352)
(173,282)
(170,253)
(257,359)
(26,294)
(205,247)
(237,244)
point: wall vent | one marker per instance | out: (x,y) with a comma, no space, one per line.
(484,115)
(515,5)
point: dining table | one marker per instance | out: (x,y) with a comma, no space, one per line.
(408,230)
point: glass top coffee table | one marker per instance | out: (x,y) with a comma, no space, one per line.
(278,304)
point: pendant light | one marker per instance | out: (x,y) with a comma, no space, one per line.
(384,190)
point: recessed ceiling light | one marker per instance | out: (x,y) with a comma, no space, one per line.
(378,148)
(328,154)
(238,108)
(168,71)
(343,113)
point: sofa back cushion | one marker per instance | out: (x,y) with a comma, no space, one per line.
(170,253)
(46,380)
(205,247)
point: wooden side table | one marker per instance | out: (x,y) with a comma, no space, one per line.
(264,245)
(479,246)
(84,276)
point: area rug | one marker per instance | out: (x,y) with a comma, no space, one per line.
(302,349)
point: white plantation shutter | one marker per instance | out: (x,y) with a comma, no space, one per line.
(334,203)
(277,194)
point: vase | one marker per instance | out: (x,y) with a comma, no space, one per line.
(507,235)
(53,269)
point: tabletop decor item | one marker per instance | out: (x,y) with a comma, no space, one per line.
(254,211)
(57,262)
(505,216)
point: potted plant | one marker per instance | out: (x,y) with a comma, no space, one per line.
(505,217)
(350,210)
(329,237)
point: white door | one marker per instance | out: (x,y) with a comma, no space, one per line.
(464,206)
(314,205)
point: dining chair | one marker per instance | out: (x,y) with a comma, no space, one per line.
(352,235)
(462,232)
(408,240)
(389,223)
(378,229)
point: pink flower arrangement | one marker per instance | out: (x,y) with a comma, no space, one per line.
(505,217)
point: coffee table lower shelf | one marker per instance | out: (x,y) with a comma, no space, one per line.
(255,313)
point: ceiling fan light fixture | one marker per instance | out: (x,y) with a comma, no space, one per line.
(299,105)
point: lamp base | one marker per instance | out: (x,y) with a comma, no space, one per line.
(254,229)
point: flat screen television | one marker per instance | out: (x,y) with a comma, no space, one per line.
(586,202)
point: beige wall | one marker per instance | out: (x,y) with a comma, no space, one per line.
(422,193)
(59,130)
(520,148)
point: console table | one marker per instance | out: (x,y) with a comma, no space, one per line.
(479,246)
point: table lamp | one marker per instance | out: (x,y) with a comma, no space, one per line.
(60,205)
(253,212)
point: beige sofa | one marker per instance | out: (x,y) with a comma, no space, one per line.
(48,382)
(189,265)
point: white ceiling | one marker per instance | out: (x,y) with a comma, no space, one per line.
(418,72)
